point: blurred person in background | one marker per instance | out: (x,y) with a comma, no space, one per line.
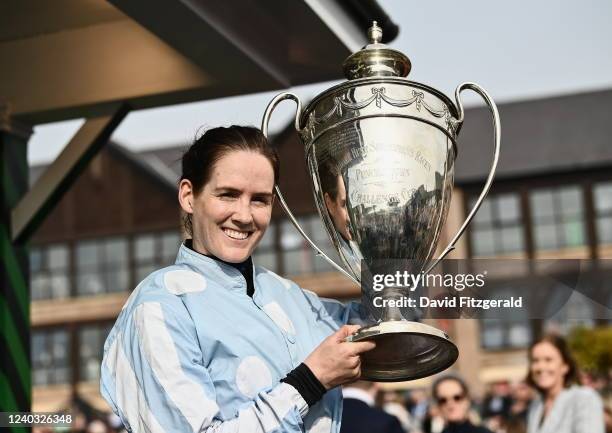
(97,426)
(359,414)
(496,405)
(560,406)
(433,422)
(79,421)
(394,404)
(418,406)
(522,396)
(453,398)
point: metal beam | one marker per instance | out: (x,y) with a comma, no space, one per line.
(32,209)
(15,374)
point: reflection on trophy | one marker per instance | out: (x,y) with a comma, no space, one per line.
(381,150)
(333,190)
(334,196)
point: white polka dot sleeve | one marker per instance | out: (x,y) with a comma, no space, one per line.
(153,377)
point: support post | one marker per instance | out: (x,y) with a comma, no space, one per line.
(34,207)
(15,382)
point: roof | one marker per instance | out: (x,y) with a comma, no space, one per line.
(149,54)
(551,135)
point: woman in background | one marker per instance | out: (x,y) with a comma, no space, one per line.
(561,406)
(453,398)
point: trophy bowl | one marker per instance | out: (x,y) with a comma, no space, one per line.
(380,150)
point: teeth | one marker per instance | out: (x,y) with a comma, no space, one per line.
(236,234)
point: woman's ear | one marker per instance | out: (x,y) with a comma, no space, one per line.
(186,196)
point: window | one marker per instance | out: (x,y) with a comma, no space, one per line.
(506,328)
(49,267)
(497,226)
(153,251)
(102,266)
(298,255)
(91,348)
(603,212)
(50,357)
(558,218)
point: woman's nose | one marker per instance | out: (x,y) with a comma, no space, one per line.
(242,212)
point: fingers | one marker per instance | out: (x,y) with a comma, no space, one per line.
(345,331)
(362,346)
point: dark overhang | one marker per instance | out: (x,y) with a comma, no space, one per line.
(75,58)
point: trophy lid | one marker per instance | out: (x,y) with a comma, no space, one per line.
(376,59)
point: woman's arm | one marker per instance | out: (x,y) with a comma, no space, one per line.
(153,377)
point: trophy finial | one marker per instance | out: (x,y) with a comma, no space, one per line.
(376,59)
(375,33)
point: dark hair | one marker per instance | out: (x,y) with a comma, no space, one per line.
(450,377)
(561,345)
(199,160)
(328,176)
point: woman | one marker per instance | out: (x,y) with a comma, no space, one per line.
(214,343)
(453,398)
(561,407)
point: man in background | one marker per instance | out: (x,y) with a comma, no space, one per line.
(359,413)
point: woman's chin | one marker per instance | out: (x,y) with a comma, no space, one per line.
(235,255)
(545,384)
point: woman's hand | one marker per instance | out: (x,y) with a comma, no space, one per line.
(336,361)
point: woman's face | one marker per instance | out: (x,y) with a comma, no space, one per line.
(454,404)
(547,368)
(233,210)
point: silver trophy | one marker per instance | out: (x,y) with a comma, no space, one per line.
(381,150)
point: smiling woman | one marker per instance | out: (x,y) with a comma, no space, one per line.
(562,407)
(227,192)
(215,343)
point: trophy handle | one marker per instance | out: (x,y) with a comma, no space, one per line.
(485,190)
(264,129)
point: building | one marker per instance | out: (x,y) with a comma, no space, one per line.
(120,220)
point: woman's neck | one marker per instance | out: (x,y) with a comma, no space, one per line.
(552,393)
(245,267)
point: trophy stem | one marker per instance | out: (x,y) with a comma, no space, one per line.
(392,313)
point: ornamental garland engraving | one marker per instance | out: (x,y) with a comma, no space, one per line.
(341,104)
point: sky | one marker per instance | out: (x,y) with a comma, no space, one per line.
(516,50)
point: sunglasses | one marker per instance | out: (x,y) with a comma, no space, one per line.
(456,398)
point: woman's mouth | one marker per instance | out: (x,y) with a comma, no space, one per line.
(235,234)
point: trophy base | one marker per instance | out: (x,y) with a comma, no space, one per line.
(404,351)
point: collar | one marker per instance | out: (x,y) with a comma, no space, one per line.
(218,270)
(358,394)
